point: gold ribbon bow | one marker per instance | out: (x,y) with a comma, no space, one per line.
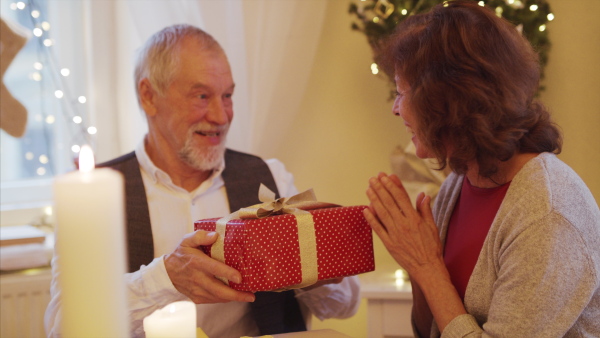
(296,205)
(284,205)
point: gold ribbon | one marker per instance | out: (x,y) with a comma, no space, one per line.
(297,205)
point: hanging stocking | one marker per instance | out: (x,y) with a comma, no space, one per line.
(13,115)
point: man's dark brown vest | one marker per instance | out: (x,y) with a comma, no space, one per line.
(274,312)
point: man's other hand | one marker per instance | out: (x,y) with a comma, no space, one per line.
(193,273)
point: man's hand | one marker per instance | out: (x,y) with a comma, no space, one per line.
(193,273)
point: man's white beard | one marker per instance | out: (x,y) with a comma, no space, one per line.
(206,158)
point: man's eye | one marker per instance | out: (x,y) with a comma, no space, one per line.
(203,96)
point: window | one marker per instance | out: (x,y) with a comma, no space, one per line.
(47,78)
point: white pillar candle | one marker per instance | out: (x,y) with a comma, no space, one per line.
(176,320)
(90,244)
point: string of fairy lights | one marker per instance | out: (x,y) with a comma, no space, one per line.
(52,81)
(377,19)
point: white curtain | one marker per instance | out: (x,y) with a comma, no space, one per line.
(270,45)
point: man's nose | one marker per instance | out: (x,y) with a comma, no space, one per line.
(217,112)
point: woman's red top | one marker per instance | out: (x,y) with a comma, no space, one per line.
(469,224)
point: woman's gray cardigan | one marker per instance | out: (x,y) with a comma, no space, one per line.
(538,273)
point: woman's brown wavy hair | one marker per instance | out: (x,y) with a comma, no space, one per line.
(472,78)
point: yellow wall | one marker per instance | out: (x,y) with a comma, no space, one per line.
(346,131)
(573,85)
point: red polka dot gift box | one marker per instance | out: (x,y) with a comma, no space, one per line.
(287,247)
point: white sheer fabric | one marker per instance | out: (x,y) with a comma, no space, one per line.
(270,45)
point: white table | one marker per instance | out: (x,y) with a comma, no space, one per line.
(389,303)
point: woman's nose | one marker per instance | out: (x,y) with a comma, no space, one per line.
(396,108)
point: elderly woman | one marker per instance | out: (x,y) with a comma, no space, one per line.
(512,247)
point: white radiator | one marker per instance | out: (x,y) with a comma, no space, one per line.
(25,296)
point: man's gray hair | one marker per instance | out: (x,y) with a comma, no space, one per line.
(158,58)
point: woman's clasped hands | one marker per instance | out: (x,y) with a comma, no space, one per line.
(409,234)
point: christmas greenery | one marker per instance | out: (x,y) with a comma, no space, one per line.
(377,19)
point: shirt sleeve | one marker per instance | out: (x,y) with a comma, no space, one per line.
(53,313)
(148,289)
(332,300)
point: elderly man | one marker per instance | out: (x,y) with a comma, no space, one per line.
(182,172)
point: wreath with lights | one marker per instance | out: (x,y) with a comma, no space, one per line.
(377,19)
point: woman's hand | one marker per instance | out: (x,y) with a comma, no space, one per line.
(409,234)
(411,237)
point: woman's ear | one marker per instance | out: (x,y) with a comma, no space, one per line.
(147,97)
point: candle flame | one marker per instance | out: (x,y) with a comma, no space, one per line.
(86,159)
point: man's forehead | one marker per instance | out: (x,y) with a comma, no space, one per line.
(208,86)
(209,62)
